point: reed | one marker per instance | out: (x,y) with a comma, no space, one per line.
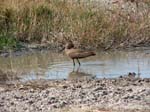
(56,21)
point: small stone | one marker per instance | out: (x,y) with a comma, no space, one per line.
(121,76)
(103,85)
(1,105)
(104,93)
(98,88)
(78,86)
(137,98)
(65,87)
(2,89)
(30,102)
(47,92)
(129,90)
(12,103)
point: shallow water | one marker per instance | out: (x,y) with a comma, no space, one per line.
(51,65)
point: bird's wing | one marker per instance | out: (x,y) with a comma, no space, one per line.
(78,53)
(74,53)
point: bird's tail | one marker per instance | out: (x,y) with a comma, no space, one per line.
(93,53)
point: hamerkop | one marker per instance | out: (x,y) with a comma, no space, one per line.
(77,54)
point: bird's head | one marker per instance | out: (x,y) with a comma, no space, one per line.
(69,45)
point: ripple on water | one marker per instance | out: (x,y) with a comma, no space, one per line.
(49,65)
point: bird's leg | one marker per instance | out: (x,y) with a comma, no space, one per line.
(78,69)
(73,69)
(73,62)
(78,61)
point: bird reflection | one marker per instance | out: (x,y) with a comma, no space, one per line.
(79,74)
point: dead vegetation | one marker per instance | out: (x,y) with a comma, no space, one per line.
(53,22)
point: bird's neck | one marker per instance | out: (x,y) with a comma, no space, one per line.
(68,51)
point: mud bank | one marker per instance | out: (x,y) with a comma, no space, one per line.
(119,94)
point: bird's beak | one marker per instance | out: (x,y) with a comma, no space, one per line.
(62,49)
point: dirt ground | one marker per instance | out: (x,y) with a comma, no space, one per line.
(90,95)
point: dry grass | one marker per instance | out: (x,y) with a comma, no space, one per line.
(55,21)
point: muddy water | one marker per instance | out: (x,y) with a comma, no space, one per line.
(51,65)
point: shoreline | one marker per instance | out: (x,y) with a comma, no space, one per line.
(124,93)
(59,49)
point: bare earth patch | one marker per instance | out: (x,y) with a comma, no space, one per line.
(89,95)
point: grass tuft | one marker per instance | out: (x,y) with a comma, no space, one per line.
(56,21)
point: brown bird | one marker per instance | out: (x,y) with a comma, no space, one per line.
(77,54)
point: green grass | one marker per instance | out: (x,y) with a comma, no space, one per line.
(7,42)
(56,21)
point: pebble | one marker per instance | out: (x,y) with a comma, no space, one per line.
(100,92)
